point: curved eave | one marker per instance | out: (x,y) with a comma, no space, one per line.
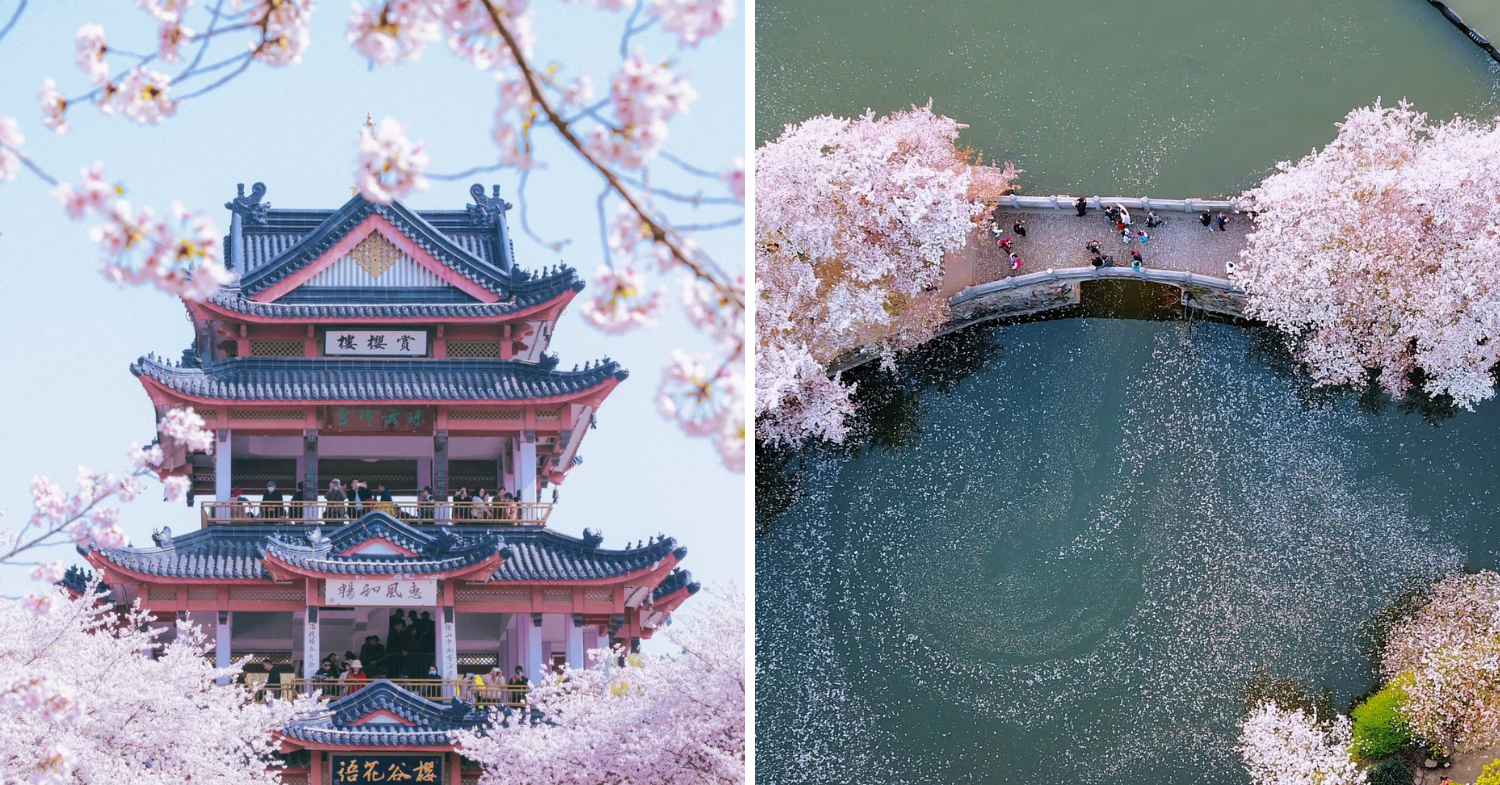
(663,567)
(162,394)
(292,744)
(285,570)
(673,601)
(110,568)
(212,310)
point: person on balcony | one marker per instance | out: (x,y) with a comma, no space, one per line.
(360,496)
(463,504)
(426,506)
(355,677)
(238,507)
(295,505)
(335,510)
(271,507)
(373,653)
(397,649)
(383,500)
(517,687)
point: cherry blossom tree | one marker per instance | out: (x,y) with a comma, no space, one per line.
(1291,747)
(80,703)
(852,220)
(1447,655)
(1377,254)
(620,136)
(654,720)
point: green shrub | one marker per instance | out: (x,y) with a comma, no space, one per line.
(1379,729)
(1390,771)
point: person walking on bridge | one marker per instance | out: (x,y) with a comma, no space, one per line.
(1083,206)
(1015,262)
(1223,222)
(1135,259)
(1152,220)
(1207,219)
(1092,246)
(1019,227)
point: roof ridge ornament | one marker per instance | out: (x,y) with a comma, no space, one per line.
(486,210)
(250,206)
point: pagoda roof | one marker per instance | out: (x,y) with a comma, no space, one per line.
(330,379)
(439,553)
(278,243)
(238,551)
(677,580)
(351,721)
(525,294)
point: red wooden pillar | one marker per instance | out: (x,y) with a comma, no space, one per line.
(315,768)
(455,770)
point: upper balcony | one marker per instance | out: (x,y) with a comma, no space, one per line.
(409,509)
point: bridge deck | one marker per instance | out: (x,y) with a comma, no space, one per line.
(1055,239)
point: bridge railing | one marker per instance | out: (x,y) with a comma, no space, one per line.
(1066,202)
(1175,277)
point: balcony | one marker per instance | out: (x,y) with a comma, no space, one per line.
(439,690)
(412,511)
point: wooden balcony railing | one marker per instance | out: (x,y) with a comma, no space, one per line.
(432,689)
(457,513)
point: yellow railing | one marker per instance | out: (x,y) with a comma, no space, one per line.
(432,689)
(458,513)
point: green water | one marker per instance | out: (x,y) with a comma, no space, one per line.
(1065,566)
(1072,560)
(1167,98)
(1481,15)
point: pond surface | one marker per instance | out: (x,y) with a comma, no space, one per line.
(1072,561)
(1165,98)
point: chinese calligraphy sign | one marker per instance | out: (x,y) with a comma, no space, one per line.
(361,769)
(375,343)
(417,420)
(381,591)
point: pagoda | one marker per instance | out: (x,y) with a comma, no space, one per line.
(397,361)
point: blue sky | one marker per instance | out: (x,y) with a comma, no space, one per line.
(68,397)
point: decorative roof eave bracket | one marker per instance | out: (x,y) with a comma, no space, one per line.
(546,310)
(161,395)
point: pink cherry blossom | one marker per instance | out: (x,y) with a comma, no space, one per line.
(180,257)
(472,35)
(90,53)
(176,487)
(10,141)
(39,603)
(644,96)
(692,20)
(621,301)
(169,40)
(1290,747)
(653,721)
(165,11)
(92,195)
(285,33)
(53,107)
(144,96)
(390,165)
(710,310)
(1376,255)
(80,703)
(48,573)
(730,440)
(696,395)
(395,30)
(735,179)
(853,218)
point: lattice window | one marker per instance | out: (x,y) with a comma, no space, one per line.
(557,595)
(267,593)
(267,414)
(548,415)
(484,414)
(157,593)
(478,659)
(276,349)
(264,657)
(491,595)
(480,349)
(301,779)
(599,595)
(207,414)
(203,594)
